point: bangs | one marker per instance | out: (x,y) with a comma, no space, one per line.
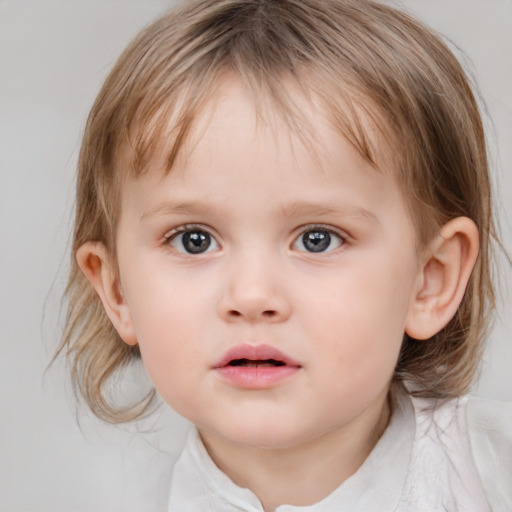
(273,48)
(161,126)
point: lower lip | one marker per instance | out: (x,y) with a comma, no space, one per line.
(256,377)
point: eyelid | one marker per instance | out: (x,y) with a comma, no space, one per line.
(182,228)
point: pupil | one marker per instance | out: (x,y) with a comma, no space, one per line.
(196,242)
(316,241)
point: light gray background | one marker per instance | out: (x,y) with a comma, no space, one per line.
(53,57)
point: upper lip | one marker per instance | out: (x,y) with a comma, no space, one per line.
(260,352)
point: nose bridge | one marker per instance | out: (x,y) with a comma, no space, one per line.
(254,289)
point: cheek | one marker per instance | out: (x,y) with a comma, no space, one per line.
(173,359)
(361,320)
(169,318)
(166,303)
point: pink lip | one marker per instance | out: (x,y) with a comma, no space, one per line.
(255,377)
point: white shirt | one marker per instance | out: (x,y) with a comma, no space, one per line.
(456,458)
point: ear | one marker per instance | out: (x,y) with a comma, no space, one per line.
(96,263)
(449,261)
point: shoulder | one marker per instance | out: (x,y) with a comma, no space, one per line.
(489,425)
(490,419)
(471,438)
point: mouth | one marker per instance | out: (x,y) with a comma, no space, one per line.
(255,367)
(258,363)
(255,356)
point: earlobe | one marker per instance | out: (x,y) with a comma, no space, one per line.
(449,261)
(96,263)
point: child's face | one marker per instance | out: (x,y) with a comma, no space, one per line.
(251,242)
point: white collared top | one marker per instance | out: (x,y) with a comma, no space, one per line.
(456,457)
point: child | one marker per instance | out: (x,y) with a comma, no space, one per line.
(284,208)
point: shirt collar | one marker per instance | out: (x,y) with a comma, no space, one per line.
(198,485)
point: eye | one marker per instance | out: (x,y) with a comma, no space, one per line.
(318,240)
(193,241)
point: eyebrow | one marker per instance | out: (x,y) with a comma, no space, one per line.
(296,209)
(183,208)
(318,210)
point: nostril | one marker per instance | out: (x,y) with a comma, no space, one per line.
(269,313)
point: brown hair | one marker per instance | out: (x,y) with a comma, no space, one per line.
(362,60)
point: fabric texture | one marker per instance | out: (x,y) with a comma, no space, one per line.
(454,457)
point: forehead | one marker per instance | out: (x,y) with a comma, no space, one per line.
(253,159)
(297,115)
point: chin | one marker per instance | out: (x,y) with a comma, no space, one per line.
(268,435)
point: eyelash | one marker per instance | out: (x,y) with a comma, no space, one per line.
(191,228)
(188,228)
(311,228)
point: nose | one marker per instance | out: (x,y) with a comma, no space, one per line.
(254,292)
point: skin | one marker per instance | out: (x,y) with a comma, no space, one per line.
(340,314)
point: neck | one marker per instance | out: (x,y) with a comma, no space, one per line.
(304,474)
